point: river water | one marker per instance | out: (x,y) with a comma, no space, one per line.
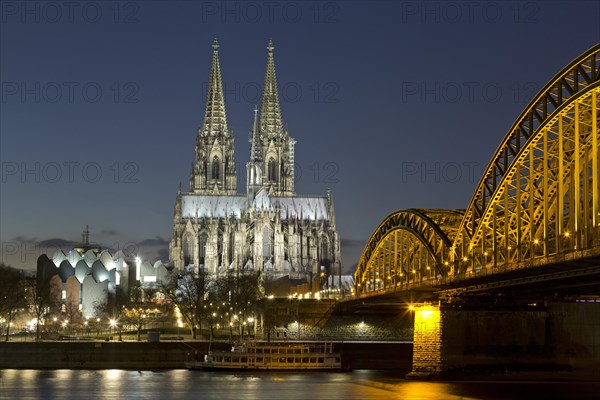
(199,385)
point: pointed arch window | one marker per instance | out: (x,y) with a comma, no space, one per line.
(272,170)
(188,249)
(202,249)
(220,249)
(324,252)
(267,243)
(230,249)
(216,168)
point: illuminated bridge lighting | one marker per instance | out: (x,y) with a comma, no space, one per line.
(537,200)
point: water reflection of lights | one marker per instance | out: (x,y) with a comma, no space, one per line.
(113,381)
(64,374)
(113,374)
(428,390)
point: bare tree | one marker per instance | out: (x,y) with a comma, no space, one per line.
(135,311)
(40,302)
(189,293)
(222,301)
(248,294)
(12,294)
(73,319)
(236,295)
(112,309)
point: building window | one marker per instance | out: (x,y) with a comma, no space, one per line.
(188,249)
(267,243)
(272,170)
(324,248)
(215,168)
(220,249)
(230,249)
(202,249)
(324,252)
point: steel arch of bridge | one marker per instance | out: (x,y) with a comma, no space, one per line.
(407,246)
(539,195)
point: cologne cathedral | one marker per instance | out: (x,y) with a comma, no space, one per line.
(269,228)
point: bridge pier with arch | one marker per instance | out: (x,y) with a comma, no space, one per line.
(527,244)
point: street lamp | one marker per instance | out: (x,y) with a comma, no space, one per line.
(113,323)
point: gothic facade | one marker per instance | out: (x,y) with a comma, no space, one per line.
(269,228)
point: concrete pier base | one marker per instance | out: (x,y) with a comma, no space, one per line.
(450,342)
(428,353)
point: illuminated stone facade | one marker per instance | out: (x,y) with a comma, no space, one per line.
(269,228)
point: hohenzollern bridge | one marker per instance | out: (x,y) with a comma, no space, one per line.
(533,221)
(515,277)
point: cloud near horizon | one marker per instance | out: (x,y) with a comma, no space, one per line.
(23,252)
(344,242)
(351,251)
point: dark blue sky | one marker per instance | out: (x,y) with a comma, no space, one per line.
(394,104)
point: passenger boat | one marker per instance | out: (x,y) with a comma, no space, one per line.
(262,356)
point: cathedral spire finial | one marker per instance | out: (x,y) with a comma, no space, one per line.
(215,44)
(254,178)
(270,112)
(255,145)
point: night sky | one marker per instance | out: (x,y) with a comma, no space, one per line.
(394,105)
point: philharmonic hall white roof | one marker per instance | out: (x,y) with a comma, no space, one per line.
(302,207)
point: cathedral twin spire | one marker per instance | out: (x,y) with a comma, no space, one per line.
(271,150)
(215,119)
(270,113)
(213,170)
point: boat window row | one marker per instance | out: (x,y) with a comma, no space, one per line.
(260,360)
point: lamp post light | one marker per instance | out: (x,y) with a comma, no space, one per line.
(113,323)
(250,323)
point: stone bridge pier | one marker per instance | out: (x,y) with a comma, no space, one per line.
(449,341)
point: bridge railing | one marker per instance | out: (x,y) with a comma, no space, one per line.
(490,269)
